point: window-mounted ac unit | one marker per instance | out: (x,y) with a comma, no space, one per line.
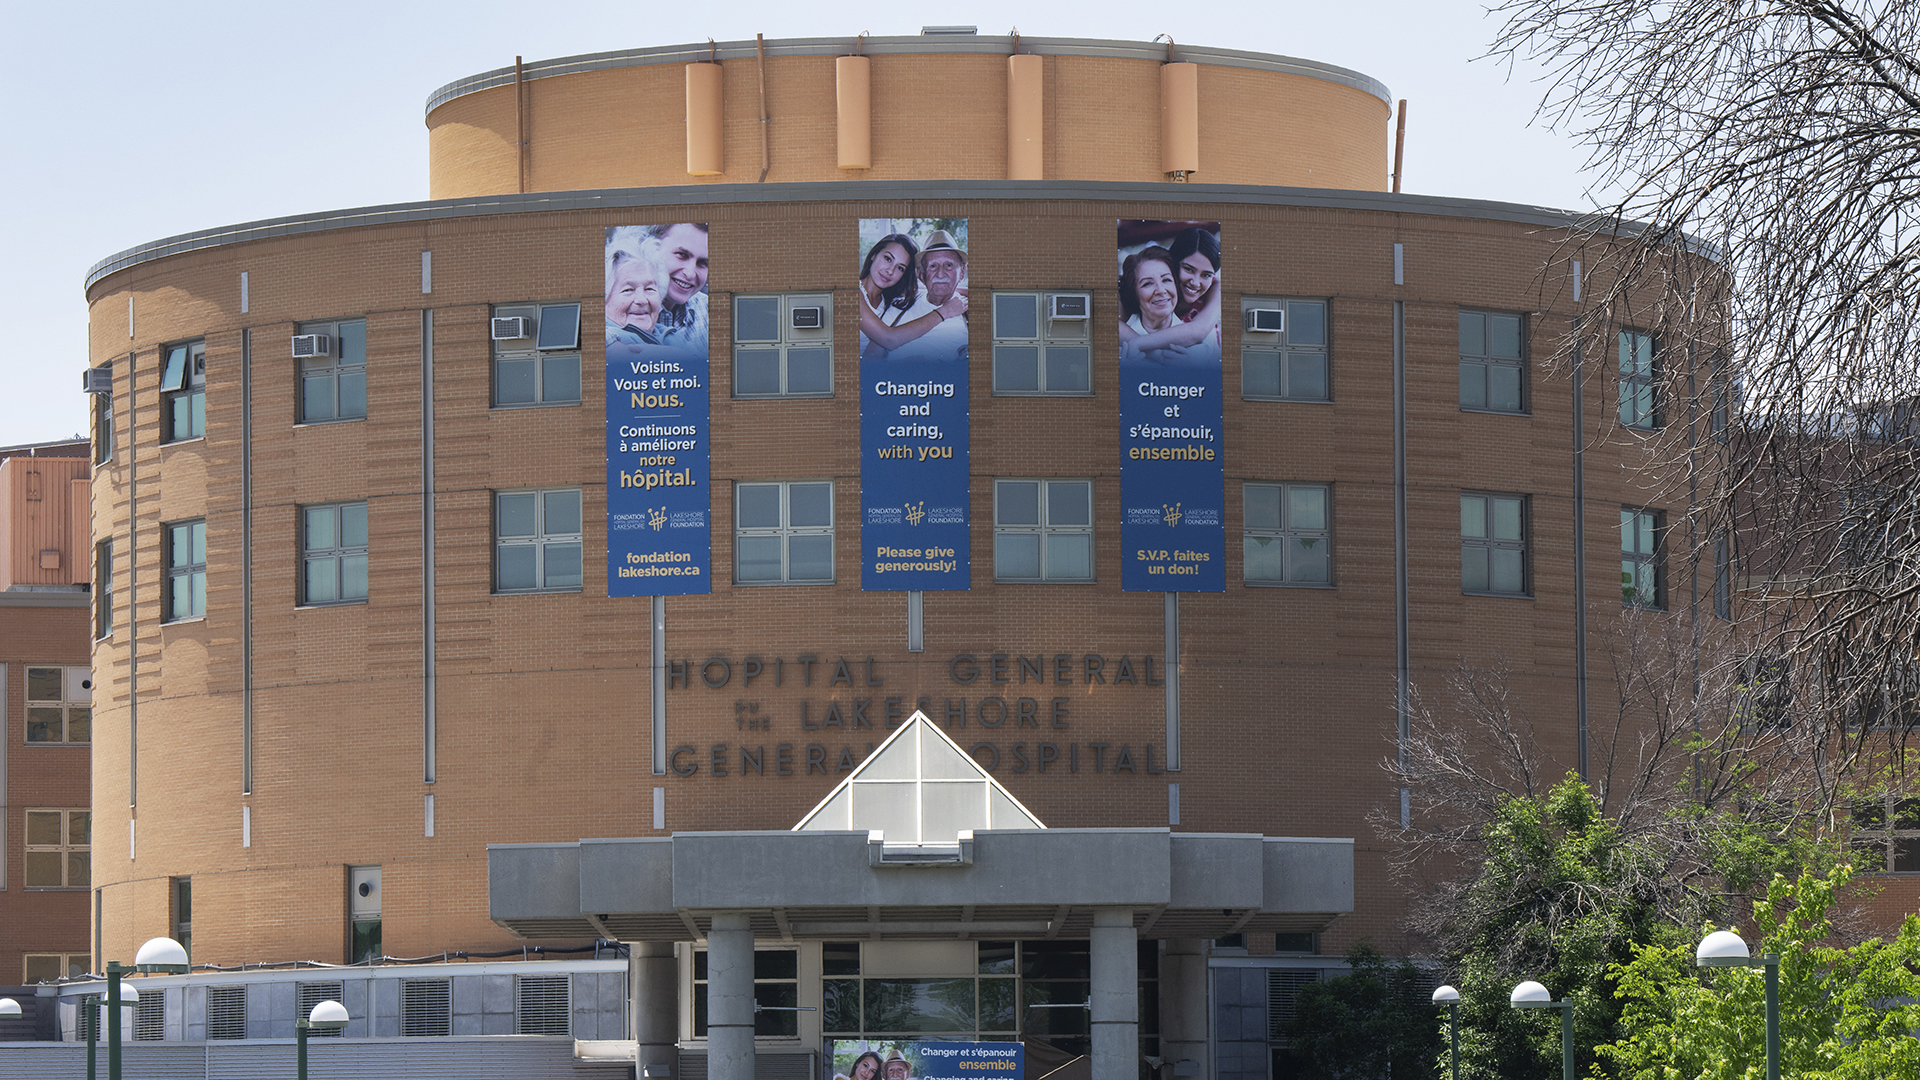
(512,328)
(98,380)
(1266,320)
(807,318)
(1069,306)
(306,346)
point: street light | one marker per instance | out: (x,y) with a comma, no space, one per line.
(9,1007)
(326,1016)
(1724,948)
(1448,996)
(1531,995)
(128,999)
(161,955)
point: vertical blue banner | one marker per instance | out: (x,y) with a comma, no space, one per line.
(913,405)
(1172,483)
(659,542)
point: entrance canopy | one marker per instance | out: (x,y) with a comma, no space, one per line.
(920,842)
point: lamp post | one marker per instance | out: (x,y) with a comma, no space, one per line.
(129,998)
(1724,948)
(326,1016)
(161,955)
(1531,995)
(9,1007)
(1448,996)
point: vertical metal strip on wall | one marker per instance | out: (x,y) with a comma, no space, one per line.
(133,572)
(1579,547)
(658,725)
(1403,674)
(1173,681)
(246,561)
(429,674)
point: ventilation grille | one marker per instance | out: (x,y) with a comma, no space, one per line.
(227,1012)
(544,1006)
(150,1016)
(426,1007)
(308,994)
(1283,993)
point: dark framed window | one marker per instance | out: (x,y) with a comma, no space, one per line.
(1290,364)
(183,391)
(59,706)
(537,540)
(536,354)
(783,533)
(1493,370)
(1289,534)
(783,346)
(1035,352)
(776,992)
(1043,530)
(103,589)
(1639,381)
(1493,544)
(59,849)
(333,553)
(1643,579)
(186,562)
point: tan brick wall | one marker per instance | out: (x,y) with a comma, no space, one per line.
(543,699)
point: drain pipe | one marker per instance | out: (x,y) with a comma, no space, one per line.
(760,47)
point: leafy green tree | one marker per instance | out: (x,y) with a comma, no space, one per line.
(1375,1023)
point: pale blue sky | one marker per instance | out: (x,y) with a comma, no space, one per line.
(135,121)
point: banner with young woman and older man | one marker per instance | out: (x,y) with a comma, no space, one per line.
(1172,480)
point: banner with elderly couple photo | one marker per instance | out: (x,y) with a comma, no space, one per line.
(658,541)
(1172,484)
(913,405)
(912,1059)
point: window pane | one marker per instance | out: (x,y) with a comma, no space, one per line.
(1503,336)
(353,577)
(1260,374)
(79,868)
(809,371)
(1017,555)
(756,371)
(173,378)
(1473,385)
(756,318)
(322,578)
(197,533)
(1644,527)
(810,558)
(43,725)
(1506,519)
(559,327)
(321,533)
(908,1005)
(1473,334)
(196,415)
(43,868)
(353,525)
(1307,507)
(43,827)
(1505,571)
(515,567)
(353,342)
(1473,568)
(1264,563)
(197,594)
(1069,557)
(776,964)
(759,506)
(1263,506)
(995,957)
(1626,530)
(560,378)
(779,1016)
(809,505)
(562,565)
(1067,368)
(180,598)
(316,398)
(997,1010)
(1069,503)
(757,558)
(1308,556)
(1473,515)
(1306,323)
(515,514)
(43,684)
(1018,502)
(563,513)
(79,725)
(1307,376)
(1503,387)
(840,958)
(1016,367)
(1016,316)
(513,381)
(840,1006)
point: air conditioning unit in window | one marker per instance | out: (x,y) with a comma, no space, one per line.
(806,318)
(1266,320)
(1069,306)
(512,327)
(97,380)
(306,346)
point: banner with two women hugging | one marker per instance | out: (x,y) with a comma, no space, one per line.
(1172,484)
(913,404)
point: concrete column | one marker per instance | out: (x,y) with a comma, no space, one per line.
(730,997)
(1115,996)
(1183,1007)
(656,1007)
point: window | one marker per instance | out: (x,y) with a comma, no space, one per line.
(1723,578)
(183,913)
(1493,544)
(541,364)
(102,426)
(333,551)
(1643,581)
(363,914)
(59,849)
(103,589)
(542,1005)
(48,967)
(426,1007)
(783,346)
(1639,394)
(536,540)
(1034,353)
(183,392)
(1043,530)
(227,1012)
(1720,397)
(59,705)
(186,571)
(776,992)
(1492,371)
(333,384)
(783,533)
(1290,365)
(1289,537)
(1886,832)
(1763,696)
(308,994)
